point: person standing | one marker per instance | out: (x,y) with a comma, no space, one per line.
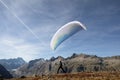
(60,67)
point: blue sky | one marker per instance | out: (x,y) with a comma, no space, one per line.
(45,17)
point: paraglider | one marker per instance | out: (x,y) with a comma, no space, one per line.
(65,32)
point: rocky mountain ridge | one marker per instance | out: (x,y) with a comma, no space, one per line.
(74,63)
(12,63)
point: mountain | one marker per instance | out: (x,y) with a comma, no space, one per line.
(10,64)
(74,63)
(4,73)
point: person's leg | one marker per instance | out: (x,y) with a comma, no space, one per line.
(63,70)
(58,70)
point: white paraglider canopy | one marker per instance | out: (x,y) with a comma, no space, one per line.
(65,32)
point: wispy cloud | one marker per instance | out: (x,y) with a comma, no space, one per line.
(45,17)
(14,47)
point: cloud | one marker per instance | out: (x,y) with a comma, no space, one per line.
(14,47)
(45,17)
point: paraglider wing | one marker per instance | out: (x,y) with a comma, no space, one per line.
(65,32)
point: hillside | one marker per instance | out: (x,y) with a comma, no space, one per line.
(75,63)
(4,73)
(76,76)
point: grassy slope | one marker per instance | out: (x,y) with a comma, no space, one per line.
(77,76)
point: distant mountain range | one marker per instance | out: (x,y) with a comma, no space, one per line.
(10,64)
(75,63)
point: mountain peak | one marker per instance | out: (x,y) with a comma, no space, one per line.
(12,63)
(75,63)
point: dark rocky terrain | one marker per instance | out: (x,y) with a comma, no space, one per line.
(4,73)
(75,63)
